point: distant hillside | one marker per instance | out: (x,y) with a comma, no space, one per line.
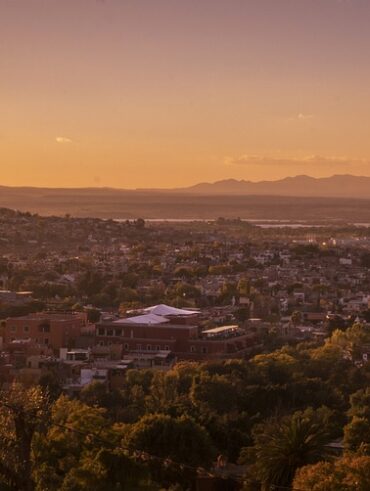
(192,203)
(339,186)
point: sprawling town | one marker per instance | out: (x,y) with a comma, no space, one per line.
(216,320)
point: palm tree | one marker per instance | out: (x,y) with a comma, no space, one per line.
(282,446)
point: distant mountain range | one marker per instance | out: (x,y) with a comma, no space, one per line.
(338,186)
(343,197)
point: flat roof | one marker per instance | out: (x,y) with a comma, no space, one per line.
(219,330)
(142,355)
(45,316)
(133,325)
(148,319)
(77,350)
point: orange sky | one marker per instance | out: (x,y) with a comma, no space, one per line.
(142,93)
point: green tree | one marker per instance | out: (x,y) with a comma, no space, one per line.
(283,446)
(214,393)
(357,431)
(81,450)
(349,473)
(22,414)
(179,439)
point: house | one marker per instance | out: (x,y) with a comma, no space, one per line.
(54,330)
(15,298)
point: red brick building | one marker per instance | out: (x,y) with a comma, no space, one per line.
(55,330)
(176,331)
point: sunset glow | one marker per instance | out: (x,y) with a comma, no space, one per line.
(168,93)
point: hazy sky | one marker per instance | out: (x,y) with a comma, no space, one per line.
(132,93)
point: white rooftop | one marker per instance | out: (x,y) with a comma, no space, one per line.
(165,310)
(143,319)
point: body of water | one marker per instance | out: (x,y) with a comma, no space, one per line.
(268,223)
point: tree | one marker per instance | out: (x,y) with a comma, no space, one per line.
(283,446)
(357,431)
(51,384)
(350,340)
(179,439)
(349,473)
(96,394)
(214,393)
(277,367)
(129,280)
(243,287)
(228,292)
(127,295)
(90,282)
(22,414)
(186,290)
(81,450)
(296,317)
(357,434)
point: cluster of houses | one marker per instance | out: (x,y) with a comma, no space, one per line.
(217,290)
(80,352)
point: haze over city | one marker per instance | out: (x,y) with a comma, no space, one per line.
(171,93)
(184,245)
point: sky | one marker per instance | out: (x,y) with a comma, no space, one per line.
(168,93)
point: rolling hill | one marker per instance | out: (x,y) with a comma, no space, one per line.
(294,198)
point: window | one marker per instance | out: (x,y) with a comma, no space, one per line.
(44,327)
(26,329)
(192,349)
(158,347)
(118,332)
(13,328)
(101,331)
(167,348)
(46,341)
(109,332)
(127,347)
(149,347)
(204,350)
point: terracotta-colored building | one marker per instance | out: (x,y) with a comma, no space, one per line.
(176,331)
(54,330)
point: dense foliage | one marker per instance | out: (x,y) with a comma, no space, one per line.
(274,414)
